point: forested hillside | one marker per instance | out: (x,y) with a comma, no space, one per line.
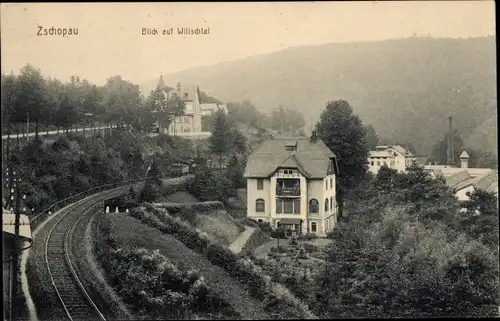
(405,88)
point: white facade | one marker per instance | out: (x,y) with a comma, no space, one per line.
(210,108)
(313,202)
(395,157)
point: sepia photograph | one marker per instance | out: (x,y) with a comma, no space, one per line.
(249,160)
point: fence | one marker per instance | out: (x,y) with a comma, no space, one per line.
(35,221)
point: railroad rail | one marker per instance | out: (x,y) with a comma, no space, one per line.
(65,292)
(74,299)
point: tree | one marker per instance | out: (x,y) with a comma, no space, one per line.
(120,99)
(371,137)
(238,141)
(345,135)
(175,108)
(10,96)
(439,152)
(480,221)
(220,142)
(32,95)
(154,173)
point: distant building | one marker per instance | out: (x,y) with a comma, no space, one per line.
(208,109)
(291,183)
(395,157)
(464,180)
(190,122)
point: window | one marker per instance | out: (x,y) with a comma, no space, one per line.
(313,227)
(260,184)
(331,203)
(372,163)
(288,206)
(326,204)
(259,220)
(313,206)
(327,183)
(185,95)
(378,163)
(331,182)
(296,206)
(260,205)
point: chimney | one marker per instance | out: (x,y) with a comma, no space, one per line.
(449,160)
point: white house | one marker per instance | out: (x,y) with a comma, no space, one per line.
(395,157)
(208,109)
(190,122)
(291,184)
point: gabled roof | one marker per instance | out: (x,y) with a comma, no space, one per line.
(488,182)
(293,162)
(312,158)
(457,178)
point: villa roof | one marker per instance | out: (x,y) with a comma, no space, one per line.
(312,158)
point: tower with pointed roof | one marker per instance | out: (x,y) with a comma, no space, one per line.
(464,159)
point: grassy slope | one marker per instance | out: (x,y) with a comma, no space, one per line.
(129,231)
(218,224)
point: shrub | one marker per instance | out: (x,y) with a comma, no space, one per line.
(309,236)
(310,247)
(278,233)
(149,193)
(259,285)
(155,287)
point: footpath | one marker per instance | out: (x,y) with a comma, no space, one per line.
(241,240)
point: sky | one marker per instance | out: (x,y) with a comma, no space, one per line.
(109,40)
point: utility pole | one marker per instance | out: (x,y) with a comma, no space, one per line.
(15,254)
(27,125)
(15,250)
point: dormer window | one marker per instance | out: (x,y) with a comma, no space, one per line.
(185,95)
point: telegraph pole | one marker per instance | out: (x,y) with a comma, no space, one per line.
(15,254)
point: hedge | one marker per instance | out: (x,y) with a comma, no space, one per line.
(260,285)
(154,286)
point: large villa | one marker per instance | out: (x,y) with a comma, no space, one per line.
(291,183)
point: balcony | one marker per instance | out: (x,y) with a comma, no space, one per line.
(288,188)
(288,191)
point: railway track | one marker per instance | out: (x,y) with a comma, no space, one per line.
(73,300)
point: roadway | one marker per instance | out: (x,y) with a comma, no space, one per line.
(54,132)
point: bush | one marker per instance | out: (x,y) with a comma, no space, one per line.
(149,193)
(155,287)
(278,233)
(242,269)
(221,256)
(309,236)
(310,247)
